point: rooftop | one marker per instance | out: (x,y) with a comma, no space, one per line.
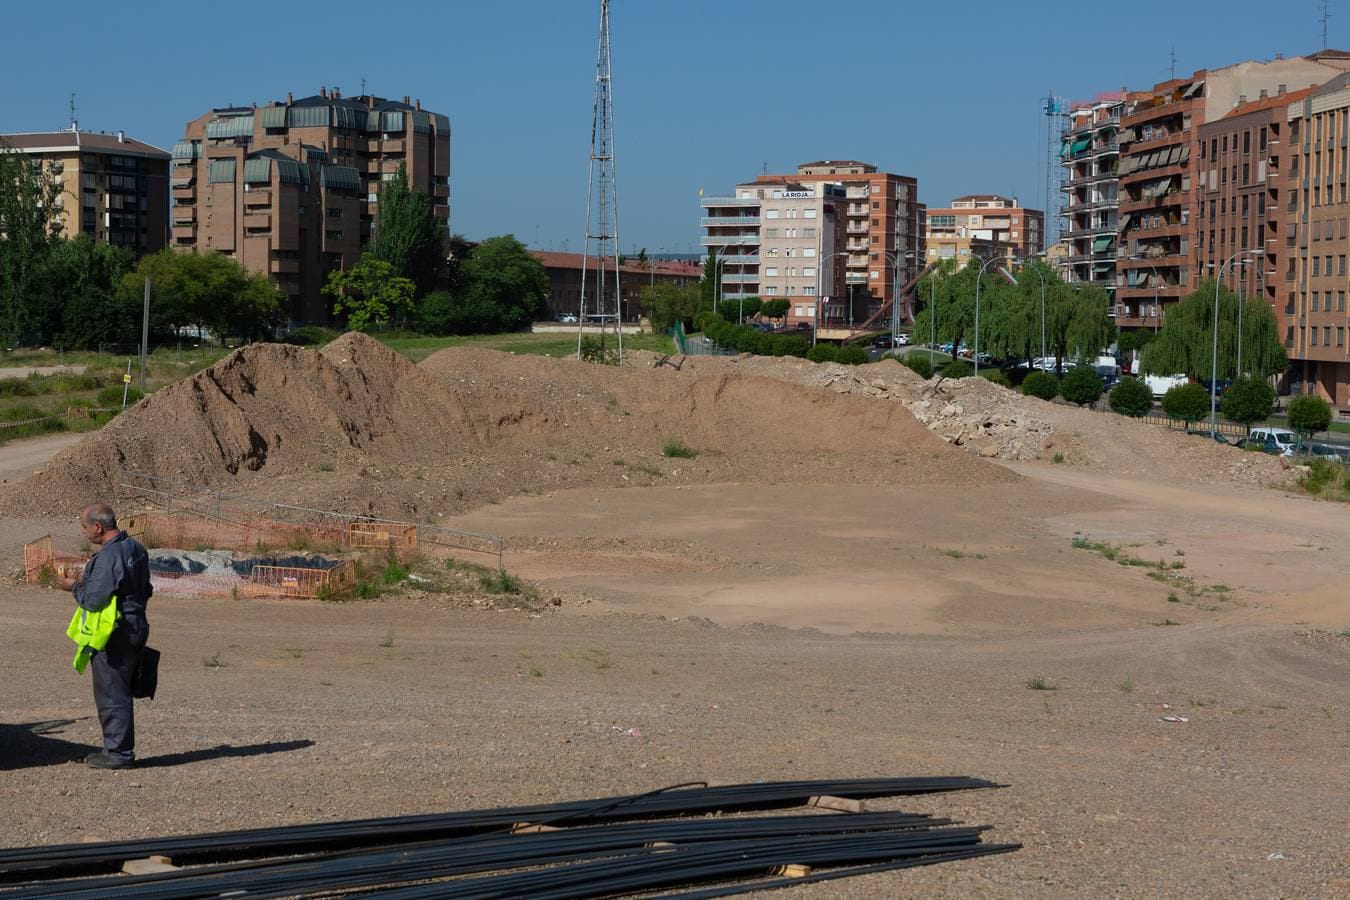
(96,141)
(551,260)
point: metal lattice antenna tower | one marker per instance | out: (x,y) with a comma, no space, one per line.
(74,123)
(1326,20)
(602,191)
(1055,110)
(1172,65)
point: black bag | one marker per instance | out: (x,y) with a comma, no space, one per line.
(146,677)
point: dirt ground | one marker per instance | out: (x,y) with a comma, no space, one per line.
(831,614)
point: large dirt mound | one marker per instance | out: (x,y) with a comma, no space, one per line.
(357,427)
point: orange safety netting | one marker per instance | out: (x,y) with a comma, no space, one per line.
(187,531)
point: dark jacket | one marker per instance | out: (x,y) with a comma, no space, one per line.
(120,567)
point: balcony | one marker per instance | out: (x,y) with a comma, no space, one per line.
(257,220)
(743,259)
(441,210)
(189,194)
(858,228)
(258,195)
(740,278)
(1141,292)
(284,266)
(855,278)
(729,240)
(713,221)
(440,190)
(729,201)
(393,145)
(186,232)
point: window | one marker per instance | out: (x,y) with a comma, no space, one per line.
(809,271)
(809,290)
(1314,301)
(1340,264)
(1317,231)
(1261,204)
(810,214)
(1244,236)
(876,222)
(1246,174)
(874,275)
(1225,143)
(876,205)
(770,213)
(771,290)
(771,232)
(1213,148)
(1340,336)
(1340,301)
(1246,142)
(771,272)
(1246,210)
(808,251)
(1317,265)
(1312,337)
(1261,141)
(808,232)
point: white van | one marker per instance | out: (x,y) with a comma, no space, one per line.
(1161,384)
(1285,439)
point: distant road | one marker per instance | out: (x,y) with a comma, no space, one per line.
(18,458)
(25,371)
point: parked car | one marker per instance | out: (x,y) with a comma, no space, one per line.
(1222,384)
(1285,439)
(567,319)
(902,339)
(883,342)
(1332,452)
(761,326)
(1267,445)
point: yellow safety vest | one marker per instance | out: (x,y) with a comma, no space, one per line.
(90,631)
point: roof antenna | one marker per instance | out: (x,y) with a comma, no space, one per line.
(1173,74)
(1326,18)
(764,169)
(363,87)
(74,125)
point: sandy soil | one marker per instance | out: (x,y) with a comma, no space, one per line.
(19,459)
(827,613)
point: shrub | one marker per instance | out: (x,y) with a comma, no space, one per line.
(1248,400)
(1309,414)
(919,364)
(1321,472)
(1041,384)
(957,368)
(823,353)
(1187,402)
(852,355)
(1131,398)
(17,387)
(35,421)
(112,395)
(1081,385)
(674,448)
(997,376)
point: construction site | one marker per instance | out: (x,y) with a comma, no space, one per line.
(486,581)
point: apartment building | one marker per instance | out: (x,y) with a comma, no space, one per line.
(732,234)
(1312,279)
(113,188)
(1159,260)
(1241,194)
(982,225)
(1090,155)
(883,224)
(291,189)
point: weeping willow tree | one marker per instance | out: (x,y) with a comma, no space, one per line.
(29,227)
(1184,344)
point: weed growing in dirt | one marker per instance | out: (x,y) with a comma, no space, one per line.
(394,572)
(213,662)
(1166,622)
(500,582)
(674,448)
(388,638)
(620,462)
(1040,684)
(536,673)
(653,471)
(368,589)
(1326,479)
(1173,598)
(1057,458)
(959,554)
(1126,686)
(294,652)
(327,467)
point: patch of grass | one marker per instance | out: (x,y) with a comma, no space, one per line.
(394,572)
(1219,588)
(1166,622)
(1040,684)
(653,471)
(1057,458)
(1126,686)
(620,462)
(674,448)
(368,589)
(388,638)
(213,662)
(550,456)
(294,652)
(1173,598)
(327,467)
(536,673)
(501,582)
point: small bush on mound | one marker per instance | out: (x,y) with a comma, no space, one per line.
(957,368)
(1188,402)
(823,353)
(112,395)
(1041,384)
(997,376)
(919,364)
(1131,398)
(674,448)
(852,355)
(1081,386)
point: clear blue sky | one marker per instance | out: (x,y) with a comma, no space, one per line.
(706,91)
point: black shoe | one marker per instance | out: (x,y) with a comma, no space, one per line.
(105,760)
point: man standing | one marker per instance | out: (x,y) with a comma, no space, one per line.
(118,572)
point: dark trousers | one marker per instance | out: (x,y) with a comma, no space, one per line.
(112,670)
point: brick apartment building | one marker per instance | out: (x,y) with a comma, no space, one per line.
(113,188)
(984,225)
(1090,155)
(1312,280)
(291,189)
(1159,254)
(565,271)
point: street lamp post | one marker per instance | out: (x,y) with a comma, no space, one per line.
(1261,275)
(1214,350)
(894,258)
(978,278)
(1042,278)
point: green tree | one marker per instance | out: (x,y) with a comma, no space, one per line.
(1184,344)
(1309,414)
(501,272)
(369,293)
(407,234)
(80,287)
(1188,402)
(749,307)
(210,292)
(708,287)
(774,309)
(664,303)
(1081,385)
(919,364)
(1248,400)
(29,228)
(1131,398)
